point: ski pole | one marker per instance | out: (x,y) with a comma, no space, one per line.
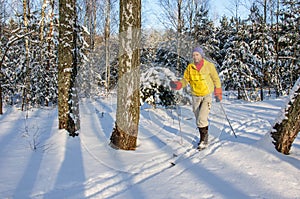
(227,119)
(179,123)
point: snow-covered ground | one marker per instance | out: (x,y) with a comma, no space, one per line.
(87,167)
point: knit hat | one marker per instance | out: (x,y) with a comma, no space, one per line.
(199,50)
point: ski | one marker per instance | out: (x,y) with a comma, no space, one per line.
(191,152)
(186,154)
(201,148)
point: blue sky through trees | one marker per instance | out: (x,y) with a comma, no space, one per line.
(218,8)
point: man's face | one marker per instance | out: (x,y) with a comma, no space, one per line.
(197,57)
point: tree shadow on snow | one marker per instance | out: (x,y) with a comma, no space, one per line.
(223,187)
(30,176)
(71,176)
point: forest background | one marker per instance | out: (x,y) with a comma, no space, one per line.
(256,54)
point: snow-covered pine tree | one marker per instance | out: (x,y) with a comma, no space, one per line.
(12,60)
(40,71)
(223,33)
(204,33)
(150,45)
(8,41)
(41,67)
(289,42)
(236,69)
(155,86)
(50,56)
(98,74)
(276,74)
(262,48)
(86,72)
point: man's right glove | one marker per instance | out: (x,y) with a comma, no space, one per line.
(218,94)
(175,85)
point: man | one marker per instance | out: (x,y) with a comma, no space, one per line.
(204,80)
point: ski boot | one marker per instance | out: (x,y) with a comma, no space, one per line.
(203,138)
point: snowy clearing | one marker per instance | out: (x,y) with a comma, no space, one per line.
(165,165)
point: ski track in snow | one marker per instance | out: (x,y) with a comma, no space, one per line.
(188,157)
(220,171)
(141,172)
(118,177)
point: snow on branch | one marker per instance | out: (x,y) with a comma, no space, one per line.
(287,57)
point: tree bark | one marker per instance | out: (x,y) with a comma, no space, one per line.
(68,110)
(107,44)
(1,102)
(179,35)
(90,21)
(124,135)
(288,129)
(26,87)
(1,75)
(49,39)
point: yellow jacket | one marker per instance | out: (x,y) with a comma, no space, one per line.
(202,82)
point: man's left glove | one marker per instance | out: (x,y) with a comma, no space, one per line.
(218,94)
(175,85)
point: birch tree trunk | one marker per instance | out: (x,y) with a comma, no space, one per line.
(1,75)
(90,21)
(179,34)
(1,102)
(107,45)
(42,22)
(26,87)
(68,108)
(288,129)
(124,135)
